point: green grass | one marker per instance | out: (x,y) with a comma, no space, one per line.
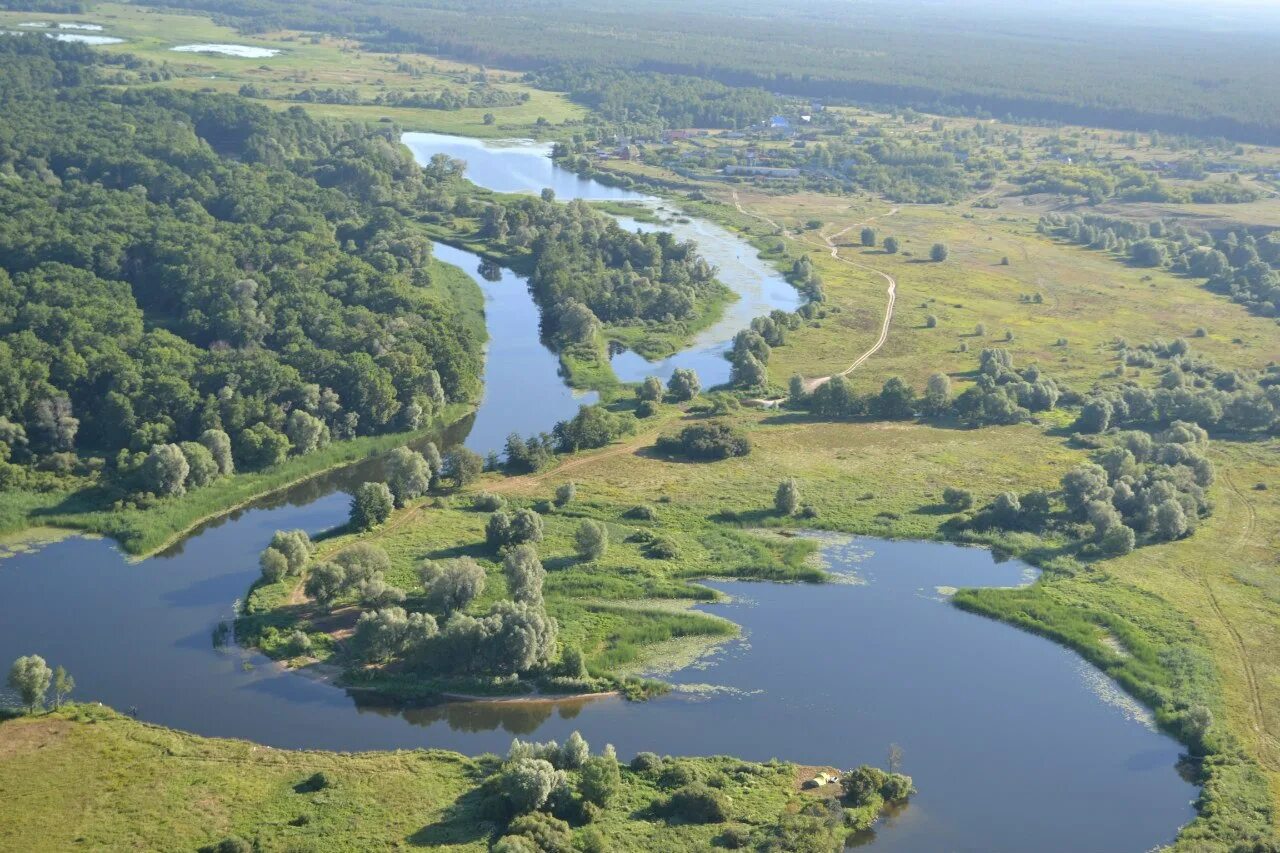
(329,62)
(88,777)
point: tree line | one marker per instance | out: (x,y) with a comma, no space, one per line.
(181,270)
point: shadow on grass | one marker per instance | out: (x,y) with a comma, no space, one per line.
(464,822)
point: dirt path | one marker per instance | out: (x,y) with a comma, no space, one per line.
(1257,707)
(828,243)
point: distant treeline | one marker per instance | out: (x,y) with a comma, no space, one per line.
(951,60)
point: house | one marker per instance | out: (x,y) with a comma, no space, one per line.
(779,123)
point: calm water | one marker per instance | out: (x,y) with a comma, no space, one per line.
(523,166)
(1014,742)
(523,389)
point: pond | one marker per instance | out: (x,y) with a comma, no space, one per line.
(1014,742)
(242,51)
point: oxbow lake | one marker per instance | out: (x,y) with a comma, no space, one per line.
(1015,743)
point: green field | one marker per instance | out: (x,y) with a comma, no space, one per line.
(87,777)
(307,62)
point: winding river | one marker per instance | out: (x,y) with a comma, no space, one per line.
(1015,743)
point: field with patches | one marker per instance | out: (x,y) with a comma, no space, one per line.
(312,61)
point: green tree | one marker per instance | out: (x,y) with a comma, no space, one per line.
(600,780)
(305,432)
(787,498)
(684,384)
(528,783)
(891,245)
(524,573)
(219,446)
(30,677)
(274,565)
(202,468)
(371,506)
(451,584)
(938,252)
(463,466)
(592,539)
(650,389)
(326,582)
(165,471)
(408,475)
(63,686)
(869,237)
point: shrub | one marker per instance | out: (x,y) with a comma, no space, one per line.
(646,762)
(662,548)
(939,252)
(565,493)
(787,498)
(709,440)
(642,512)
(592,539)
(677,775)
(931,322)
(956,499)
(697,803)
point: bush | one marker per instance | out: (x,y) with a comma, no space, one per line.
(536,833)
(677,775)
(939,252)
(710,440)
(697,803)
(565,493)
(662,548)
(957,500)
(642,512)
(787,498)
(592,539)
(646,762)
(228,845)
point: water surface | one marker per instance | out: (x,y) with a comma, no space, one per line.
(243,51)
(1010,743)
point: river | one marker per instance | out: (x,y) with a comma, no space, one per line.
(1015,743)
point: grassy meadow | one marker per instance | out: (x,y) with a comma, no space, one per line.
(88,777)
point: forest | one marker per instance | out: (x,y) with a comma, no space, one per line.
(987,61)
(178,266)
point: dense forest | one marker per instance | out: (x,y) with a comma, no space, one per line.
(939,57)
(191,275)
(646,102)
(584,269)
